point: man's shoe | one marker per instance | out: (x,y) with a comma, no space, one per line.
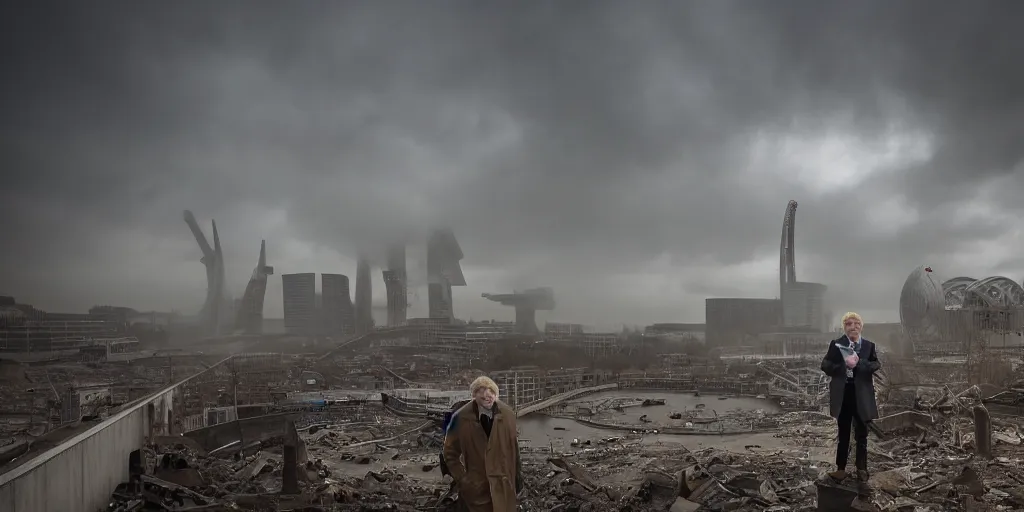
(838,475)
(863,487)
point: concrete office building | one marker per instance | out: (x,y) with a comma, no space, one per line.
(336,309)
(364,297)
(300,315)
(396,286)
(803,305)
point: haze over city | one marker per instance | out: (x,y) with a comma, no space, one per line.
(637,158)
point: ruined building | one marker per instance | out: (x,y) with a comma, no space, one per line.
(300,311)
(396,286)
(249,317)
(526,303)
(213,317)
(336,309)
(364,297)
(443,272)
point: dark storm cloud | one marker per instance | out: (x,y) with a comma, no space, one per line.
(563,143)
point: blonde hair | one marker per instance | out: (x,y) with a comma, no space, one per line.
(483,382)
(850,315)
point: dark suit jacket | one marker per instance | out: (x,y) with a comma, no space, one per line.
(863,377)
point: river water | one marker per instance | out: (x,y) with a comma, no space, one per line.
(540,430)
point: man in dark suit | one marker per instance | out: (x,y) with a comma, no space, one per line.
(851,362)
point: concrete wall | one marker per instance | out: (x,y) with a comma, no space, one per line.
(79,474)
(252,429)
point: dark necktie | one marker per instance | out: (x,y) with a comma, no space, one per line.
(486,422)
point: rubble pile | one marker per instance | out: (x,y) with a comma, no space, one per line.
(932,464)
(947,455)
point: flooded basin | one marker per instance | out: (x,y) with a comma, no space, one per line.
(540,430)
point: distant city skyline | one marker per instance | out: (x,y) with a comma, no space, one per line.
(469,305)
(634,159)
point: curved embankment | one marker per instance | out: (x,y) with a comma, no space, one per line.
(711,391)
(562,397)
(675,431)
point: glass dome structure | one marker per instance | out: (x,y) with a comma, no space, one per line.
(922,303)
(925,298)
(990,292)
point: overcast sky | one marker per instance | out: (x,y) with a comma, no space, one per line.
(635,156)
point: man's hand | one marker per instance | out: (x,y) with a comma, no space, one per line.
(852,360)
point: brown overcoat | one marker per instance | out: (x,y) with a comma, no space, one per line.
(486,469)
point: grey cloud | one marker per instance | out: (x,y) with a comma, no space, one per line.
(563,143)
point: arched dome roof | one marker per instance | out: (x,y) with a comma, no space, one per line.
(995,291)
(954,290)
(922,301)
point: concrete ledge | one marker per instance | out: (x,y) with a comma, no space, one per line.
(245,430)
(89,465)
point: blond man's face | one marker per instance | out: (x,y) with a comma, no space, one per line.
(852,327)
(485,398)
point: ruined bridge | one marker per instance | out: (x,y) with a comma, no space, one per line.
(555,400)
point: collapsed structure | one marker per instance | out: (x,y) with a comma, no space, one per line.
(249,318)
(212,317)
(443,272)
(215,317)
(526,304)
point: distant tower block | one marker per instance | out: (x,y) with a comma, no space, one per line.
(212,316)
(364,296)
(249,317)
(443,272)
(299,294)
(336,305)
(527,303)
(396,286)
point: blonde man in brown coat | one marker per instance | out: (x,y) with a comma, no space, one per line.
(482,451)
